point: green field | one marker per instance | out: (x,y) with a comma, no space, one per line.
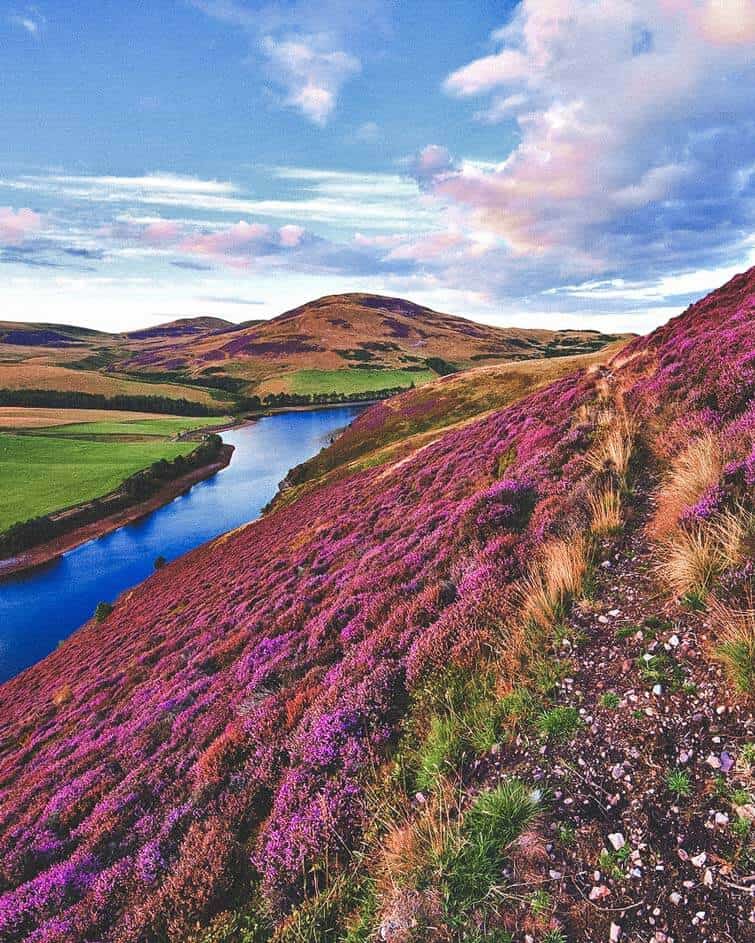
(355,381)
(53,469)
(142,427)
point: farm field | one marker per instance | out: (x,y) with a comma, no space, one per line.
(50,469)
(355,381)
(25,417)
(44,376)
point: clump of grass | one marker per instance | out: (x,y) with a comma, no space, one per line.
(735,647)
(747,754)
(693,472)
(558,723)
(548,673)
(605,511)
(660,669)
(566,834)
(540,902)
(610,699)
(554,936)
(613,451)
(472,864)
(678,783)
(693,558)
(611,862)
(554,582)
(441,751)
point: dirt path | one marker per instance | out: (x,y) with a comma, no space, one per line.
(627,858)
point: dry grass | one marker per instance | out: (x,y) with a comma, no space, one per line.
(414,843)
(735,642)
(693,472)
(613,451)
(605,509)
(36,376)
(693,559)
(556,579)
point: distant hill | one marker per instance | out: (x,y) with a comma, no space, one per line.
(350,345)
(357,339)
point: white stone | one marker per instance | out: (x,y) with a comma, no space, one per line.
(699,860)
(675,897)
(617,840)
(614,933)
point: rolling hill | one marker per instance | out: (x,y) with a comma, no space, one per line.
(495,686)
(340,344)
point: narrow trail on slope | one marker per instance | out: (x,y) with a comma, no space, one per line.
(651,702)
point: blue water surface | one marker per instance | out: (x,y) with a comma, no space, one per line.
(40,608)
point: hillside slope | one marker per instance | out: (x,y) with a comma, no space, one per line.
(364,333)
(384,709)
(339,344)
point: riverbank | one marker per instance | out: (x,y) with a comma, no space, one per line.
(51,550)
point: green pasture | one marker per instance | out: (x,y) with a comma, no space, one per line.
(355,381)
(50,469)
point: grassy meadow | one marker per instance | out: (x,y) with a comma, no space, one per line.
(354,381)
(50,468)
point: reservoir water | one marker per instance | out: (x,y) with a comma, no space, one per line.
(40,608)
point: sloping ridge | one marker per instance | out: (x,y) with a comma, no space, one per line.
(220,729)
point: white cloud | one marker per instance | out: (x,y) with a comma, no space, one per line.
(636,138)
(30,19)
(306,48)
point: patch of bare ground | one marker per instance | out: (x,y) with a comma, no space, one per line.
(650,804)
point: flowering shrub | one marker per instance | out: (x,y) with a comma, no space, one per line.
(220,727)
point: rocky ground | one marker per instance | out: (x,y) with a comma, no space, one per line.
(647,835)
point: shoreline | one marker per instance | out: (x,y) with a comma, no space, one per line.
(52,550)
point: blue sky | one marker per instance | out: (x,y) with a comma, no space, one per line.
(544,162)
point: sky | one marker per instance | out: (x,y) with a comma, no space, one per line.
(552,163)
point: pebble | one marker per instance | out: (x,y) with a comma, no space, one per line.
(617,840)
(722,818)
(614,612)
(699,860)
(599,892)
(603,620)
(675,897)
(614,933)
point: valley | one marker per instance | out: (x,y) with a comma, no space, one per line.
(484,666)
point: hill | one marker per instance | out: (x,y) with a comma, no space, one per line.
(353,341)
(336,346)
(498,685)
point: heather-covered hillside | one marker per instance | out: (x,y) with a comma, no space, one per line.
(497,688)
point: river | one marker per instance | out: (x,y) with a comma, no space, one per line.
(41,608)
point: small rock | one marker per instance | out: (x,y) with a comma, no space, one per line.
(657,689)
(713,761)
(603,620)
(599,892)
(617,841)
(699,860)
(614,934)
(727,762)
(617,772)
(674,641)
(675,897)
(721,818)
(708,878)
(614,612)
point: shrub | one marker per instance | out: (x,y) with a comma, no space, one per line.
(102,611)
